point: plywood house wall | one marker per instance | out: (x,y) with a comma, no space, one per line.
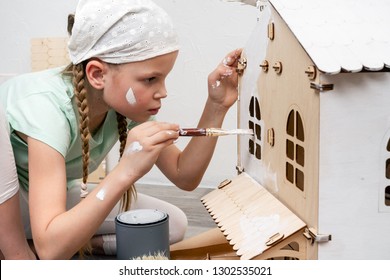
(316,91)
(315,88)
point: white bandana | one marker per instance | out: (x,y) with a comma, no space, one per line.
(120,31)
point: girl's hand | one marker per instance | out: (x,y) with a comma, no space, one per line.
(143,146)
(223,81)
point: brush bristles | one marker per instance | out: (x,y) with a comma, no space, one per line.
(157,256)
(222,132)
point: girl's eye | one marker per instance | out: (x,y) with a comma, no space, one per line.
(149,80)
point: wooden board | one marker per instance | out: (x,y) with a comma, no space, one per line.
(250,217)
(48,53)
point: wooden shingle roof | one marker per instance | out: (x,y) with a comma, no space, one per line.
(341,35)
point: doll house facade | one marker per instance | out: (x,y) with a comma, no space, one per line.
(315,89)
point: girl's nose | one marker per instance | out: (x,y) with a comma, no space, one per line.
(161,94)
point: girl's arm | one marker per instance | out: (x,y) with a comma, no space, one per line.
(59,233)
(185,169)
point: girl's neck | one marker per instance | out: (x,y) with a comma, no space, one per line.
(97,109)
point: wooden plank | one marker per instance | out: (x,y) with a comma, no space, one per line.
(250,223)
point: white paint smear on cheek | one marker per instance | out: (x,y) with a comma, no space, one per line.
(130,97)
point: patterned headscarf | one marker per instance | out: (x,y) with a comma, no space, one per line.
(120,31)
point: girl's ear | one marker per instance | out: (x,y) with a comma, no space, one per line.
(94,70)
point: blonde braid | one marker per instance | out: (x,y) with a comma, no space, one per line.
(122,130)
(80,93)
(81,98)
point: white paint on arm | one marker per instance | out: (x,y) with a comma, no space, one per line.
(133,148)
(101,194)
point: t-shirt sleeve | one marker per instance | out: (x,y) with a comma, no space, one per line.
(41,117)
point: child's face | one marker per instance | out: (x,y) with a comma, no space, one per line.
(135,89)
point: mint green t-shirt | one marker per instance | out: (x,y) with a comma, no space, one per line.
(42,106)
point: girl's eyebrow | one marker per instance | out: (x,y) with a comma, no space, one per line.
(153,73)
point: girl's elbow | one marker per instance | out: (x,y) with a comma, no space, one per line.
(51,255)
(44,254)
(49,252)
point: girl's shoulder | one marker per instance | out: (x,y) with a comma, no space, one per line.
(51,82)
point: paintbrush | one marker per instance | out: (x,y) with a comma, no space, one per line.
(213,132)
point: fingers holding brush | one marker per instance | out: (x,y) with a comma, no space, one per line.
(223,81)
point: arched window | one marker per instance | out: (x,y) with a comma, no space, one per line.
(254,124)
(295,151)
(387,170)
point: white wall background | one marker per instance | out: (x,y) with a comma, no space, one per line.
(208,29)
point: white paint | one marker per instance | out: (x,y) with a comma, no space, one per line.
(216,84)
(255,52)
(134,147)
(257,230)
(101,194)
(182,132)
(227,60)
(269,179)
(227,73)
(130,97)
(240,131)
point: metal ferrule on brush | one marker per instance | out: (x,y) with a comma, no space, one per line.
(215,132)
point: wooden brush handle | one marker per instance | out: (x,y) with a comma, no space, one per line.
(192,132)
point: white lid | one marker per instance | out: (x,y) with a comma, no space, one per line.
(141,216)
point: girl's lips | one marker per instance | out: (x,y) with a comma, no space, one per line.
(154,111)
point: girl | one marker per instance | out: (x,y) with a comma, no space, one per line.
(62,122)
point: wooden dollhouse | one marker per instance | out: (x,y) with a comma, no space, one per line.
(314,180)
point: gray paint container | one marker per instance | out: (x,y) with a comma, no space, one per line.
(142,232)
